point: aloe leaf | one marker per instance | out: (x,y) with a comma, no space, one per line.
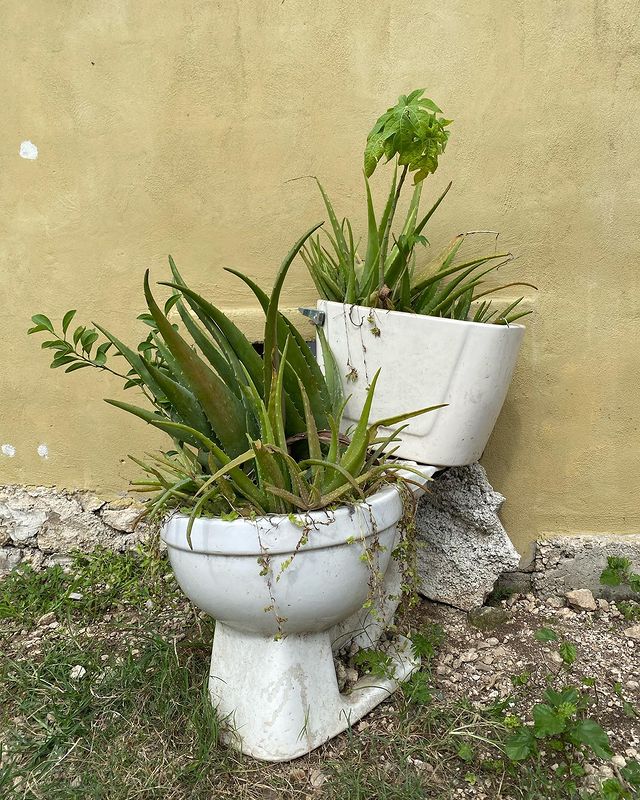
(269,475)
(438,265)
(223,409)
(466,266)
(338,493)
(505,286)
(354,456)
(318,276)
(382,225)
(463,305)
(275,408)
(226,469)
(456,287)
(259,410)
(197,439)
(197,510)
(271,324)
(207,347)
(342,473)
(136,362)
(514,317)
(169,361)
(182,400)
(369,273)
(506,311)
(393,267)
(174,429)
(313,439)
(441,307)
(341,244)
(387,422)
(480,311)
(331,373)
(220,326)
(287,496)
(300,359)
(296,478)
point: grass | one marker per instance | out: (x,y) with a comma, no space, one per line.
(109,702)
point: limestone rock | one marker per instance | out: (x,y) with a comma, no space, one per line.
(122,519)
(20,520)
(465,547)
(582,599)
(43,525)
(10,557)
(69,533)
(91,502)
(633,632)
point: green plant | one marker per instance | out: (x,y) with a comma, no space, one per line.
(413,134)
(561,722)
(567,650)
(251,434)
(92,585)
(618,573)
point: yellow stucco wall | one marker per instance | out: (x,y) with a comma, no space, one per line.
(175,126)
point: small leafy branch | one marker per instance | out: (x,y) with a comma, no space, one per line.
(91,346)
(73,353)
(618,573)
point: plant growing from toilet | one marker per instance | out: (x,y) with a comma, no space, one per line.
(388,273)
(251,435)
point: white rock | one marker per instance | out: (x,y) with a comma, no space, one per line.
(91,502)
(75,595)
(10,557)
(317,778)
(77,672)
(467,656)
(122,519)
(582,599)
(20,520)
(351,675)
(464,547)
(633,632)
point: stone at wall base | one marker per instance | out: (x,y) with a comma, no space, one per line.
(43,525)
(464,547)
(564,563)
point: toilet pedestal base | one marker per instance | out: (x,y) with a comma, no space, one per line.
(279,699)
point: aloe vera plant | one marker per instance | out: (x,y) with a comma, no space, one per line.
(412,134)
(251,434)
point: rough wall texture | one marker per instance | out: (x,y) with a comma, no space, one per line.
(43,526)
(176,126)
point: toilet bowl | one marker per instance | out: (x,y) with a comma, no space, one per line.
(279,588)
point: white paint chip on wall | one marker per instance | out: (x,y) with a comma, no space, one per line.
(43,451)
(8,450)
(28,150)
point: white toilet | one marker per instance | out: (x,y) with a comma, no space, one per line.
(281,595)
